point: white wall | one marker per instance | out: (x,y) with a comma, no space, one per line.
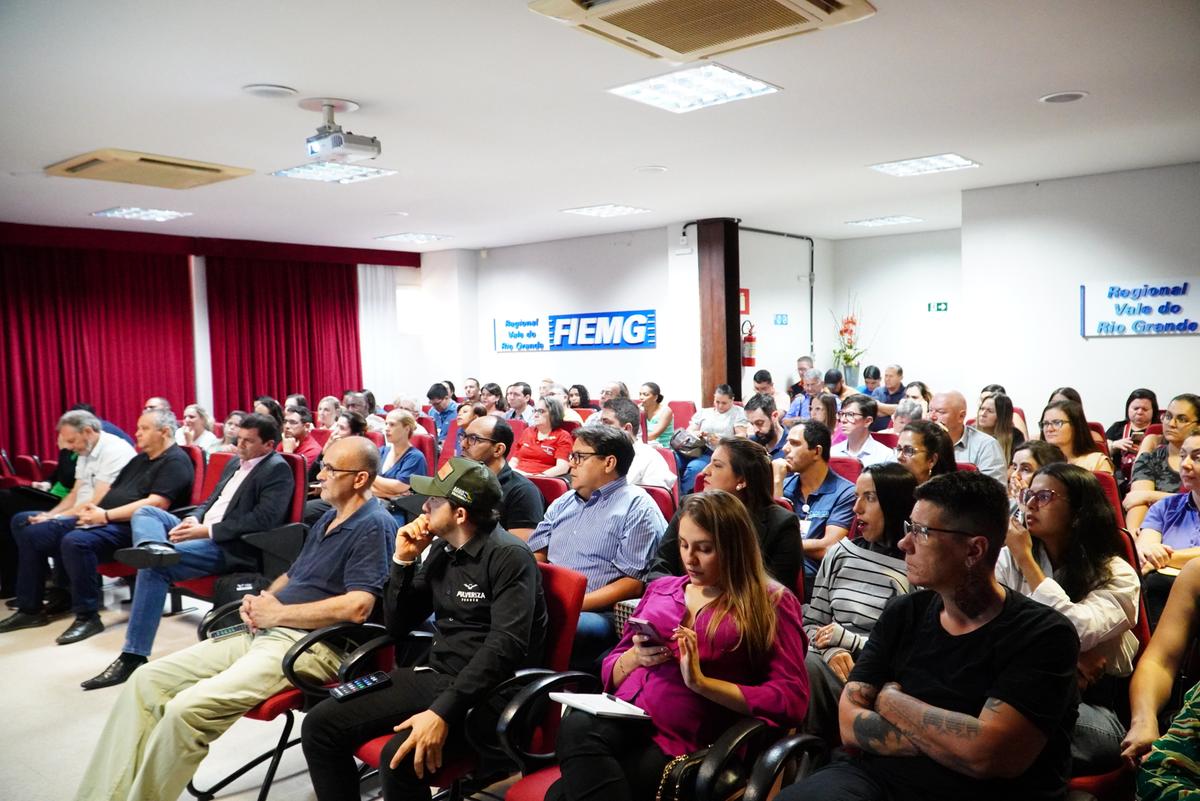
(1026,249)
(894,279)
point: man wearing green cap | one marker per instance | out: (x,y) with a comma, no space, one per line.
(483,586)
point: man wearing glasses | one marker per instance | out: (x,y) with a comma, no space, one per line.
(607,529)
(965,689)
(488,439)
(855,419)
(297,426)
(172,708)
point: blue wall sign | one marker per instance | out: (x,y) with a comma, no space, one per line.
(1144,308)
(585,331)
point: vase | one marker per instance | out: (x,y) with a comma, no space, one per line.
(850,374)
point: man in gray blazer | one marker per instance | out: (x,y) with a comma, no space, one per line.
(253,495)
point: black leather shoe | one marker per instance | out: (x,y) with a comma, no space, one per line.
(121,669)
(23,620)
(81,629)
(148,554)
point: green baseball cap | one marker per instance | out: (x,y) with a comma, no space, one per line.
(467,482)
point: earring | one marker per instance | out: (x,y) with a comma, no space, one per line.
(741,486)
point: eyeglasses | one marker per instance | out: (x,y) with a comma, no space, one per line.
(474,439)
(579,457)
(920,532)
(1053,425)
(539,411)
(908,451)
(1167,418)
(849,415)
(1042,497)
(327,469)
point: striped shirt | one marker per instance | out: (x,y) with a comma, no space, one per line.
(851,589)
(613,534)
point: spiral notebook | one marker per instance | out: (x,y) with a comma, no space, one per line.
(602,705)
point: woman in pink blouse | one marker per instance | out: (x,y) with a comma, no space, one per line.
(732,645)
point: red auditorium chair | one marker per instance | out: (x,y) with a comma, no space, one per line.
(564,590)
(701,482)
(446,450)
(377,438)
(48,468)
(518,428)
(28,467)
(212,472)
(584,413)
(1102,443)
(8,473)
(966,467)
(570,426)
(550,487)
(668,456)
(681,413)
(846,467)
(1109,485)
(642,426)
(663,498)
(219,430)
(891,440)
(321,435)
(426,445)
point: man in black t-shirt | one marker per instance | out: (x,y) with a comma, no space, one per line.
(489,439)
(160,475)
(964,690)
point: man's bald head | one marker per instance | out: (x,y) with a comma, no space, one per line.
(950,410)
(354,453)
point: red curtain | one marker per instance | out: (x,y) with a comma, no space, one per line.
(279,327)
(105,327)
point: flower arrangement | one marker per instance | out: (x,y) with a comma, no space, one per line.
(847,351)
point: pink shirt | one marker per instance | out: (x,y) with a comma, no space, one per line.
(775,689)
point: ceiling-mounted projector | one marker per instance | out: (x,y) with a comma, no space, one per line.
(331,143)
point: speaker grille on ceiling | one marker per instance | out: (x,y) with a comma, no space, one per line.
(145,169)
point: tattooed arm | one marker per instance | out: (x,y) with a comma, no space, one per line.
(862,726)
(1000,743)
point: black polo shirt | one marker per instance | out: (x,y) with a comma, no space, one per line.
(521,505)
(353,556)
(170,475)
(490,612)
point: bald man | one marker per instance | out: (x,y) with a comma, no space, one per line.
(970,444)
(172,708)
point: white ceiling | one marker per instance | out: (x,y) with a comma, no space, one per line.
(496,118)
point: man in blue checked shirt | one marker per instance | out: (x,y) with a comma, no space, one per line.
(607,530)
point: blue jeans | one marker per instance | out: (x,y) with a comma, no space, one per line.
(689,468)
(83,549)
(34,543)
(198,558)
(595,636)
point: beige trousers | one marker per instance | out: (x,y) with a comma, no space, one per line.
(172,708)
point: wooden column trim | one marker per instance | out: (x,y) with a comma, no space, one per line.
(720,337)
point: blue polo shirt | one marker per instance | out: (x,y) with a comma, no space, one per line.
(410,464)
(832,503)
(1177,519)
(353,556)
(883,396)
(442,420)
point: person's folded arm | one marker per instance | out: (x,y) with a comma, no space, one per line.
(865,728)
(353,606)
(125,512)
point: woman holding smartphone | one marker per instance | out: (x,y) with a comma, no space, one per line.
(726,642)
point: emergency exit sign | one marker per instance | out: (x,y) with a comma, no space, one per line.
(937,306)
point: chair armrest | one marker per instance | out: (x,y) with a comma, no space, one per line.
(780,757)
(724,769)
(484,717)
(183,511)
(525,711)
(219,618)
(343,636)
(368,657)
(280,547)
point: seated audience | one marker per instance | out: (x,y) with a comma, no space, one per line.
(855,420)
(1125,436)
(489,439)
(1017,421)
(743,469)
(172,708)
(295,399)
(106,426)
(1156,470)
(156,403)
(613,389)
(1063,424)
(467,413)
(723,419)
(1029,458)
(907,411)
(348,424)
(924,449)
(297,436)
(822,500)
(471,390)
(196,429)
(763,416)
(871,379)
(327,412)
(577,397)
(835,384)
(996,418)
(483,637)
(14,500)
(544,446)
(660,420)
(970,444)
(229,433)
(920,392)
(265,404)
(856,580)
(765,385)
(399,461)
(442,409)
(1068,556)
(559,393)
(648,468)
(363,402)
(1167,762)
(823,409)
(731,647)
(253,494)
(520,402)
(1170,534)
(803,365)
(606,529)
(492,398)
(964,690)
(812,384)
(1071,394)
(888,396)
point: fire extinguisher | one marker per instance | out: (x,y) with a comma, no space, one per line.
(748,344)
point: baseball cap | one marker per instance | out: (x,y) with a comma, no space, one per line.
(467,482)
(832,377)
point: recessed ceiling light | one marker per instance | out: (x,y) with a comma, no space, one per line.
(333,172)
(397,214)
(650,168)
(875,222)
(413,238)
(135,213)
(1063,97)
(607,210)
(943,162)
(268,90)
(694,88)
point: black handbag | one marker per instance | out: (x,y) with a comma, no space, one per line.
(685,443)
(678,781)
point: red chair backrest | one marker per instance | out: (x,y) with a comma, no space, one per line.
(681,412)
(299,467)
(563,589)
(701,482)
(584,413)
(376,437)
(429,426)
(1109,485)
(197,457)
(1102,440)
(668,456)
(1142,629)
(891,440)
(1154,428)
(425,444)
(785,503)
(1017,410)
(551,488)
(446,449)
(321,435)
(218,430)
(518,428)
(570,426)
(28,467)
(662,497)
(217,463)
(642,426)
(846,467)
(967,467)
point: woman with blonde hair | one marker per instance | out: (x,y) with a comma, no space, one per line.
(196,428)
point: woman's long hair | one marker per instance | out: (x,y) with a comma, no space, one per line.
(746,594)
(1081,436)
(585,401)
(937,442)
(1093,539)
(894,486)
(1003,432)
(750,462)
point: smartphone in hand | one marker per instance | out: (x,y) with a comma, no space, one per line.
(646,629)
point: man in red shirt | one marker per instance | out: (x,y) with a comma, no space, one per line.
(297,428)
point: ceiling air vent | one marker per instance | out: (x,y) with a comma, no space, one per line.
(687,30)
(146,169)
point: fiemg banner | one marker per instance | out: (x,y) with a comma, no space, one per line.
(586,331)
(1142,308)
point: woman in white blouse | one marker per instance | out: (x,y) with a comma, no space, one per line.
(723,419)
(1068,555)
(196,429)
